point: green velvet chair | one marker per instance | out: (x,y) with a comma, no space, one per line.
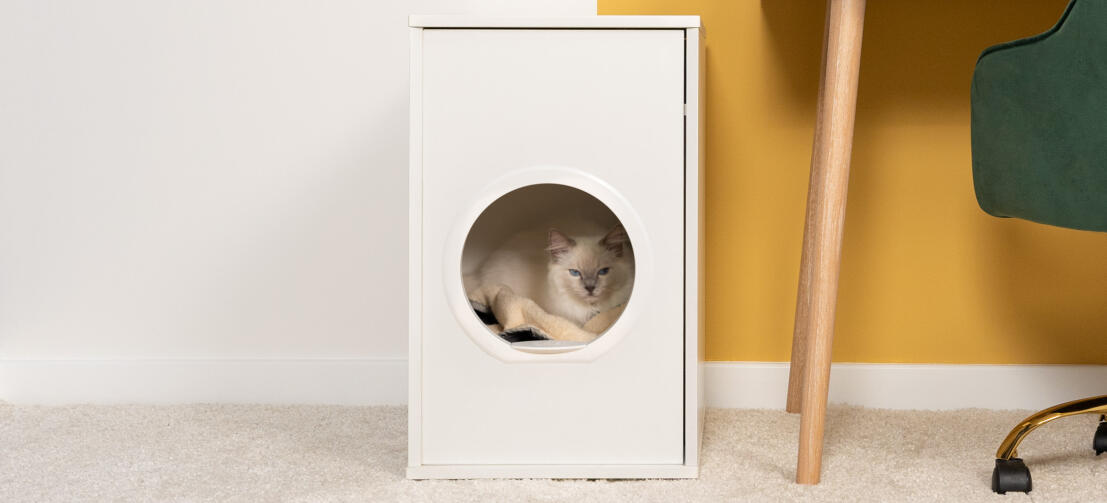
(1039,152)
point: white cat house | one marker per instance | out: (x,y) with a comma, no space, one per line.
(516,123)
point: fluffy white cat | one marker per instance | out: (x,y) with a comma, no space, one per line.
(574,276)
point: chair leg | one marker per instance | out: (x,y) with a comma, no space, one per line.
(1010,473)
(1099,442)
(826,212)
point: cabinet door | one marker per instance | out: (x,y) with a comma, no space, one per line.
(606,102)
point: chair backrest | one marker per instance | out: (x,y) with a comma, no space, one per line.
(1039,123)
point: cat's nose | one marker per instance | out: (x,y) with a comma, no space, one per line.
(589,288)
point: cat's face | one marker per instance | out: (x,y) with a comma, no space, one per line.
(590,269)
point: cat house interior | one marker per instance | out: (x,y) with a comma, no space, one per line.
(548,265)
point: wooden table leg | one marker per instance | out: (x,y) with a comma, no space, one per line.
(822,238)
(801,329)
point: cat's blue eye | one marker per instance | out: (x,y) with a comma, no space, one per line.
(575,273)
(603,271)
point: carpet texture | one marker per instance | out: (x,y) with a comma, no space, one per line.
(314,453)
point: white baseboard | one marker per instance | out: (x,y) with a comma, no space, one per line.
(340,381)
(758,385)
(383,381)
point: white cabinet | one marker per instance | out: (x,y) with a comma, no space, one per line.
(602,114)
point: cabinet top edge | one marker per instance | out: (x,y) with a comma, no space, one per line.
(619,22)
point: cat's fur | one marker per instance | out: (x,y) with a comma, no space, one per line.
(538,265)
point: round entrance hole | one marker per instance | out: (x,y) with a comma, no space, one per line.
(548,268)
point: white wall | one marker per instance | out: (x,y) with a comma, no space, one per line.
(208,183)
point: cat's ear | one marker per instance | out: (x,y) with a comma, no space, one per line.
(616,240)
(558,244)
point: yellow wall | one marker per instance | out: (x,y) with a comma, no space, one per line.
(927,276)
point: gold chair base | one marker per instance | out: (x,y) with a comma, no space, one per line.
(1009,448)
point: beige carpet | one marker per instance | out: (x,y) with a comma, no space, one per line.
(309,453)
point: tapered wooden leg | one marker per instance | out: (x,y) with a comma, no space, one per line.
(822,247)
(801,329)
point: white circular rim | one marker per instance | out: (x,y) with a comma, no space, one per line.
(557,175)
(547,346)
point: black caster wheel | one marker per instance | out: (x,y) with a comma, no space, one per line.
(1100,441)
(1010,475)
